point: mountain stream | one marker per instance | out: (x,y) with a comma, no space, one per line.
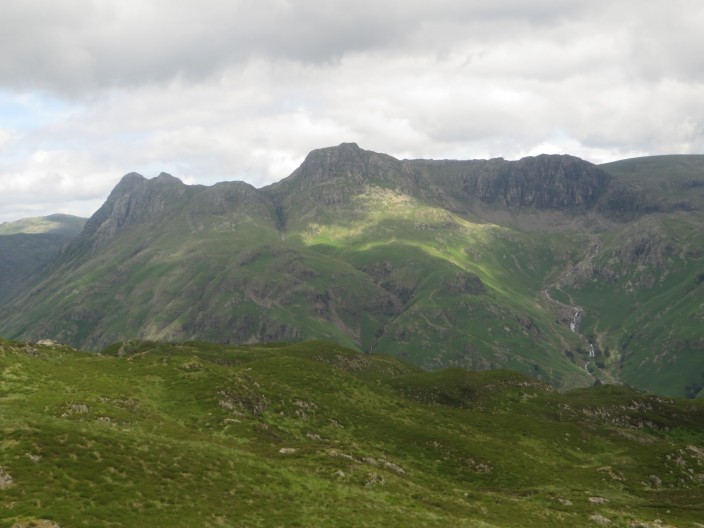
(576,310)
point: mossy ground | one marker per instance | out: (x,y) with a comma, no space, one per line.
(312,434)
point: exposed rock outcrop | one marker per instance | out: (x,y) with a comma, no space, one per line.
(543,182)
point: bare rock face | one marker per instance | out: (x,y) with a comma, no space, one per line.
(465,282)
(127,184)
(37,523)
(223,197)
(6,479)
(550,182)
(331,177)
(132,201)
(543,182)
(347,165)
(48,343)
(138,201)
(346,161)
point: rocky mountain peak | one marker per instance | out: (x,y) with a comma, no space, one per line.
(331,177)
(344,161)
(346,166)
(167,178)
(127,184)
(133,200)
(131,177)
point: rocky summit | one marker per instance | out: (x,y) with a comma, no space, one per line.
(571,272)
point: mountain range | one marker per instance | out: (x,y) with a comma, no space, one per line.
(571,272)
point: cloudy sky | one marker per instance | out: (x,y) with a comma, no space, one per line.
(212,90)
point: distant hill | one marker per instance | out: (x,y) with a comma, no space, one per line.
(548,265)
(313,434)
(27,245)
(59,224)
(676,181)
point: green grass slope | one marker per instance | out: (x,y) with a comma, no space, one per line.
(677,181)
(646,317)
(61,224)
(469,293)
(313,434)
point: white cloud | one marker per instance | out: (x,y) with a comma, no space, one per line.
(5,138)
(48,181)
(224,90)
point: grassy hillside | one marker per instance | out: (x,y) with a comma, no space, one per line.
(643,305)
(61,224)
(469,291)
(678,181)
(312,434)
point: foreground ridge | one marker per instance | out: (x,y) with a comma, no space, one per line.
(152,434)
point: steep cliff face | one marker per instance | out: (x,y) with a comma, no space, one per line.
(134,200)
(543,182)
(346,161)
(331,176)
(126,185)
(138,201)
(224,197)
(229,206)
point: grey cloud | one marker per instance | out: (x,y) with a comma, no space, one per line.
(76,46)
(671,46)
